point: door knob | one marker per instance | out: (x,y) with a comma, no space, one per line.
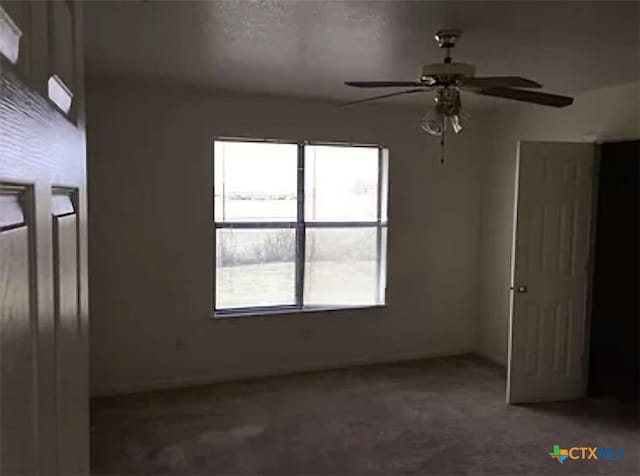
(522,289)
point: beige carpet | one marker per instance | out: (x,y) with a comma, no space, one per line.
(439,416)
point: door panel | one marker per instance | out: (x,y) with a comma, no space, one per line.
(62,69)
(68,332)
(549,274)
(62,61)
(18,58)
(17,334)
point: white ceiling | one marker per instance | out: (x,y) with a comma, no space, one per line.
(308,48)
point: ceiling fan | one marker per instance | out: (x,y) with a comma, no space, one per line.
(448,79)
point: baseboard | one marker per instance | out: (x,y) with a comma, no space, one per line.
(490,356)
(192,381)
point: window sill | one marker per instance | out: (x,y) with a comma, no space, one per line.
(273,312)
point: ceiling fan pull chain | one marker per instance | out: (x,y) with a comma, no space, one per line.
(444,131)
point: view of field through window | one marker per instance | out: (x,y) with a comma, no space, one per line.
(260,236)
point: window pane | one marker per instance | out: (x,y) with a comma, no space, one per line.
(255,268)
(341,183)
(255,181)
(341,266)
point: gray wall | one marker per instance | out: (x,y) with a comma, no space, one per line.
(151,240)
(611,113)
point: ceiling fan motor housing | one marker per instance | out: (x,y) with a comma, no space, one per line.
(446,73)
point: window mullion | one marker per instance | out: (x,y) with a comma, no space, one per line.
(239,225)
(379,191)
(379,227)
(300,229)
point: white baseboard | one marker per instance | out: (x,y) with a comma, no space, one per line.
(490,356)
(192,381)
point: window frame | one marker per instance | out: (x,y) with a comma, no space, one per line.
(300,226)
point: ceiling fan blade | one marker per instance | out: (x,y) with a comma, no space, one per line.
(544,99)
(384,84)
(500,82)
(400,93)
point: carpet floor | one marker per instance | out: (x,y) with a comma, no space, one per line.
(443,416)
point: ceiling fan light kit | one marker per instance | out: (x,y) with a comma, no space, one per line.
(449,79)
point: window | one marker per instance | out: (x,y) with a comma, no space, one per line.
(298,226)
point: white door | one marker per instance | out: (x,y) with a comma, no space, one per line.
(44,425)
(549,280)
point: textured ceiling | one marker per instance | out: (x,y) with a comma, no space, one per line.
(308,48)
